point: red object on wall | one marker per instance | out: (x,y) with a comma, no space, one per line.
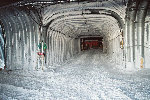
(40,53)
(91,43)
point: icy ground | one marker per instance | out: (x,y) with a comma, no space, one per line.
(88,76)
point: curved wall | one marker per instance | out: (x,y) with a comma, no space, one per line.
(137,31)
(22,37)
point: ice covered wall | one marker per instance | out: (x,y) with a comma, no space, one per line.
(64,23)
(114,43)
(22,37)
(137,33)
(2,64)
(60,48)
(114,48)
(147,40)
(95,18)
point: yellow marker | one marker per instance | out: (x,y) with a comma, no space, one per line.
(142,61)
(121,44)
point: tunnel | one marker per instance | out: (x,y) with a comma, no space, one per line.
(41,37)
(61,30)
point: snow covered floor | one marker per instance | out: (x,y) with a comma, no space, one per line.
(85,77)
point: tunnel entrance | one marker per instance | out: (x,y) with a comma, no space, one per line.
(2,59)
(91,42)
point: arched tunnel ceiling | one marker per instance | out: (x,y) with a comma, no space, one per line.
(53,11)
(81,17)
(86,25)
(96,18)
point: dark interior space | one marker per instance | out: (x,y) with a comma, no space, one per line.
(91,43)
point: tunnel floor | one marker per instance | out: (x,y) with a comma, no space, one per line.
(87,76)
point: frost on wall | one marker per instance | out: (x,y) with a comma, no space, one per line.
(114,50)
(21,38)
(137,34)
(2,64)
(60,48)
(147,40)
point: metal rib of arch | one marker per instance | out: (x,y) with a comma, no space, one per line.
(135,31)
(22,36)
(112,14)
